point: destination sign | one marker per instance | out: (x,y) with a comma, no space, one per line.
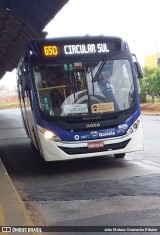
(77,47)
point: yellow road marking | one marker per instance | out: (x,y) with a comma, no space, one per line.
(24,211)
(2,219)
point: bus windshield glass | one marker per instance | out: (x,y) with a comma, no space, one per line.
(84,88)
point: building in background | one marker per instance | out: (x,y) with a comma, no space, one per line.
(152,61)
(8,99)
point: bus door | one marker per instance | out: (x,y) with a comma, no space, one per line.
(28,111)
(21,96)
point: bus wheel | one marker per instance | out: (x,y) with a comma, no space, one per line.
(119,155)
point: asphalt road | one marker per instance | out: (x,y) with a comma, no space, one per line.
(96,191)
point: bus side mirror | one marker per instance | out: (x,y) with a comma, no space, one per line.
(138,70)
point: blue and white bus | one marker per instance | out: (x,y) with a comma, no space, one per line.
(79,97)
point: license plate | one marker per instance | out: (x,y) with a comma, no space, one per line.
(98,144)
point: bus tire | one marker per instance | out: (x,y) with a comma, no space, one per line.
(119,155)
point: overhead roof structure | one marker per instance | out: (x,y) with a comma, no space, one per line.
(20,22)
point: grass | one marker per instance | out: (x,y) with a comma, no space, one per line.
(150,107)
(9,105)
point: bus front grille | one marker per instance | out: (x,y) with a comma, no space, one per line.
(107,147)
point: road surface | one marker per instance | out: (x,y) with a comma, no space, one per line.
(86,192)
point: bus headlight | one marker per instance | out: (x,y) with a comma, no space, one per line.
(134,126)
(49,135)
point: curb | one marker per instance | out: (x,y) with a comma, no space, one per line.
(149,113)
(18,198)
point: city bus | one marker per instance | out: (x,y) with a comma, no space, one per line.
(79,97)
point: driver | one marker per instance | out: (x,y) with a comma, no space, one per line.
(104,76)
(104,90)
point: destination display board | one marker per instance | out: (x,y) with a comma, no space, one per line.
(68,48)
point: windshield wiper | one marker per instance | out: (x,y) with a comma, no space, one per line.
(100,68)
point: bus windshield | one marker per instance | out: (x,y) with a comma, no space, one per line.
(84,88)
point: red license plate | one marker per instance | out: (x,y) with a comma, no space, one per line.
(98,144)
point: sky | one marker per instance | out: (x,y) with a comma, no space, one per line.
(136,21)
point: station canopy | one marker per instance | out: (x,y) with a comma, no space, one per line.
(20,22)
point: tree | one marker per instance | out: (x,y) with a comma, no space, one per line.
(150,84)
